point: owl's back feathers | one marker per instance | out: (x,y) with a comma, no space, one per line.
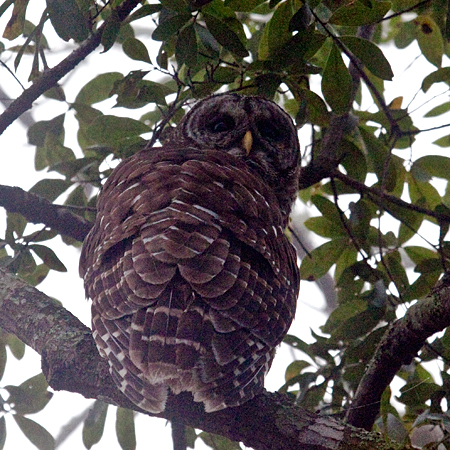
(193,281)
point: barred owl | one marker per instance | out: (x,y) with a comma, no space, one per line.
(193,281)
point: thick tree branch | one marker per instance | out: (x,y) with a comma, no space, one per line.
(71,362)
(37,209)
(399,345)
(50,77)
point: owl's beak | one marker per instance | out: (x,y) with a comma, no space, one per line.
(247,142)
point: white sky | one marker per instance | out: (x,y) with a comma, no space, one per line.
(17,170)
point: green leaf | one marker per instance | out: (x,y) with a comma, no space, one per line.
(278,26)
(296,51)
(56,93)
(439,76)
(38,131)
(144,11)
(298,344)
(337,82)
(125,429)
(410,224)
(111,31)
(48,256)
(242,5)
(31,396)
(225,36)
(136,50)
(353,160)
(430,39)
(98,89)
(421,287)
(218,442)
(67,20)
(320,260)
(14,27)
(301,19)
(16,223)
(295,368)
(347,259)
(37,434)
(175,5)
(443,141)
(225,75)
(419,254)
(438,110)
(356,14)
(326,207)
(37,276)
(136,93)
(316,111)
(50,188)
(325,227)
(110,129)
(186,49)
(359,325)
(169,27)
(370,55)
(94,424)
(430,166)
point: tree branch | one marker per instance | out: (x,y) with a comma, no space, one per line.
(379,198)
(49,78)
(399,346)
(71,362)
(37,209)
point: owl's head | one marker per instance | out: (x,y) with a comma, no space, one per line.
(254,129)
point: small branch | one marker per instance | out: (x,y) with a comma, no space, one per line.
(399,346)
(380,197)
(71,362)
(49,78)
(37,209)
(399,13)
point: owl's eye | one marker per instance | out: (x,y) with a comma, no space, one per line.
(270,131)
(221,124)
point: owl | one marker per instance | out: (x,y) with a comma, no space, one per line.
(192,279)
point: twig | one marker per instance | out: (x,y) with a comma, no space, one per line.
(376,195)
(399,13)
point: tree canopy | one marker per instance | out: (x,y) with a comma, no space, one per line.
(382,202)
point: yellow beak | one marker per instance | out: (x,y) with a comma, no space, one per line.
(247,142)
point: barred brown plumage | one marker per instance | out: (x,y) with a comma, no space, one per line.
(193,281)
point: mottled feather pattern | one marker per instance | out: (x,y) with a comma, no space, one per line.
(193,281)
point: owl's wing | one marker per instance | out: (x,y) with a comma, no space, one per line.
(191,276)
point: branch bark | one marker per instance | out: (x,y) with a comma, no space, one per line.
(37,209)
(399,346)
(71,362)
